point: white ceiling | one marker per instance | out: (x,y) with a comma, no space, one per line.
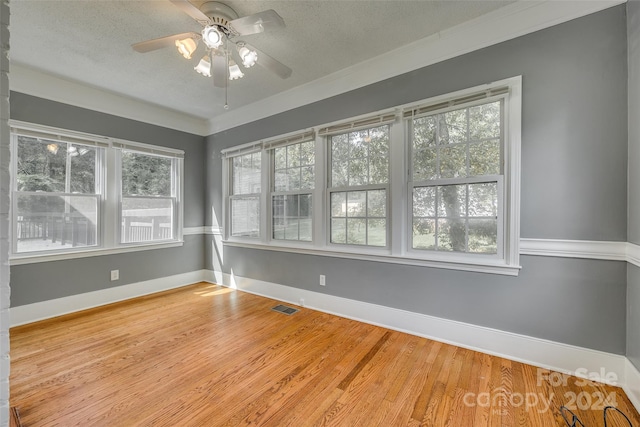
(89,41)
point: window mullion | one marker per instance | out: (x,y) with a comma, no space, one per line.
(398,231)
(321,215)
(112,201)
(266,215)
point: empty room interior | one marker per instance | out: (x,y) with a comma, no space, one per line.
(345,213)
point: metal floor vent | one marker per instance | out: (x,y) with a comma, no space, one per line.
(284,309)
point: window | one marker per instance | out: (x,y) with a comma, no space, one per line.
(434,183)
(65,198)
(245,195)
(57,193)
(456,165)
(359,172)
(291,197)
(148,197)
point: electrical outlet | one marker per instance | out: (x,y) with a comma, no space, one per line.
(323,281)
(115,275)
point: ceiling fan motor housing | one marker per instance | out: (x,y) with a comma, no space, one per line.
(220,15)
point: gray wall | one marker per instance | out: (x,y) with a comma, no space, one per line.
(633,315)
(574,186)
(633,276)
(48,280)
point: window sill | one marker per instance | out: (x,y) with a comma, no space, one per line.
(460,264)
(36,258)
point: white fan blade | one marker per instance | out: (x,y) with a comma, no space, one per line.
(192,11)
(272,64)
(161,42)
(219,70)
(257,22)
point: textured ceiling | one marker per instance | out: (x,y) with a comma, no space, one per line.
(89,41)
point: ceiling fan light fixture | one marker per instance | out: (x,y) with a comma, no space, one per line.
(204,67)
(234,71)
(186,47)
(249,57)
(212,36)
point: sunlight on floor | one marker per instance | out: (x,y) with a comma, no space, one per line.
(217,292)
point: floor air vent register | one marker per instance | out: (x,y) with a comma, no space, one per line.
(284,309)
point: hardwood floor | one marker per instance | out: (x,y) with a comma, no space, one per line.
(204,355)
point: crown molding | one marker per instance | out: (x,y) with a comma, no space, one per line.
(33,82)
(514,20)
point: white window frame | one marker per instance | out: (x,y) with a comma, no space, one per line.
(228,196)
(382,120)
(177,185)
(399,193)
(270,146)
(498,179)
(108,181)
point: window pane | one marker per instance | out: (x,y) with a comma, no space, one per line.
(453,161)
(452,200)
(339,204)
(424,165)
(379,170)
(484,158)
(358,145)
(338,230)
(307,181)
(277,204)
(340,147)
(291,230)
(484,121)
(145,175)
(424,233)
(245,217)
(280,180)
(279,225)
(424,132)
(339,174)
(306,223)
(280,160)
(146,219)
(453,127)
(358,174)
(307,153)
(451,235)
(47,222)
(483,236)
(483,199)
(246,174)
(41,165)
(424,202)
(293,179)
(377,232)
(293,155)
(356,203)
(377,203)
(292,217)
(360,157)
(83,169)
(356,231)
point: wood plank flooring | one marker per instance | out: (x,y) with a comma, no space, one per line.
(204,355)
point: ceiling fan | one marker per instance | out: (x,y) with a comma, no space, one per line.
(221,28)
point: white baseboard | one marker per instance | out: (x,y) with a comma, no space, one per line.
(569,359)
(46,309)
(632,384)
